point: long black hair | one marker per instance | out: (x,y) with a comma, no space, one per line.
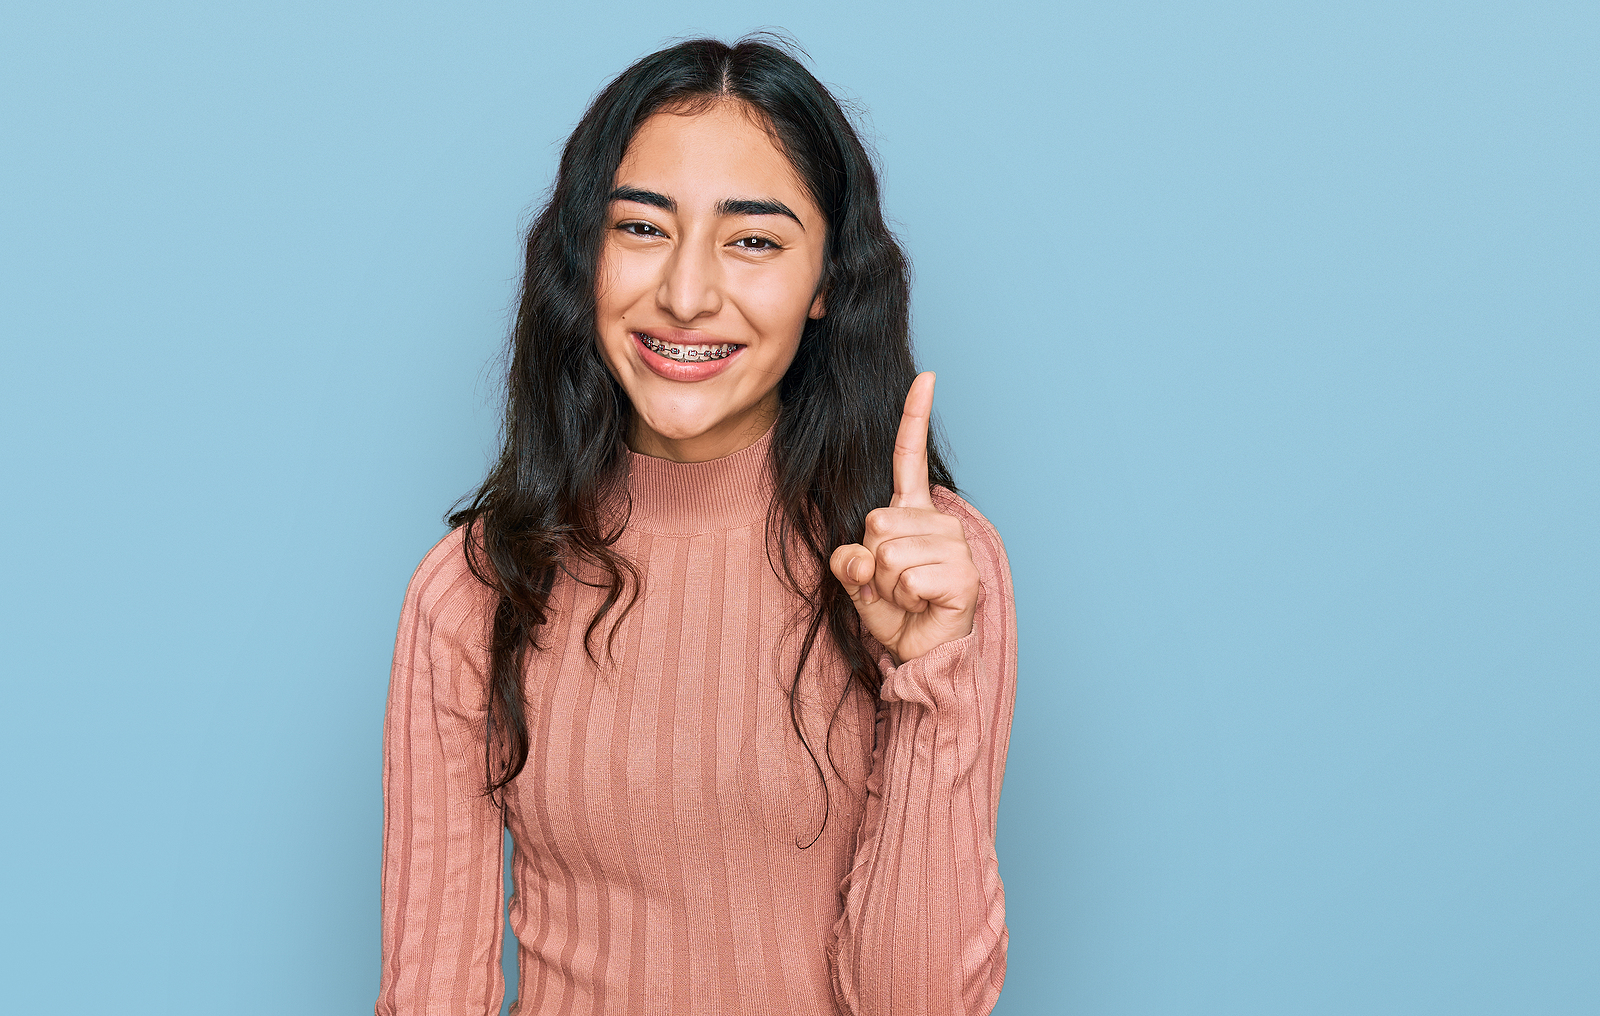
(542,508)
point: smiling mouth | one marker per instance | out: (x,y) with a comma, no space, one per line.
(688,354)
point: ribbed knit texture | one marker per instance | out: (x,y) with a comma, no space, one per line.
(660,821)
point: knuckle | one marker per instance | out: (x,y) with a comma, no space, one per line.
(890,554)
(916,582)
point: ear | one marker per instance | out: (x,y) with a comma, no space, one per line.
(819,308)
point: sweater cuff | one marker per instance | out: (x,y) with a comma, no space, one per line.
(930,679)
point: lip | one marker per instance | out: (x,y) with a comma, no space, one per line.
(672,370)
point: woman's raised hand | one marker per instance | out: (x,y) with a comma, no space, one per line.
(911,577)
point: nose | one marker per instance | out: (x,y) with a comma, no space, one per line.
(691,283)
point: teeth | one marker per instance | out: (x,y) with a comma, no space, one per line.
(686,354)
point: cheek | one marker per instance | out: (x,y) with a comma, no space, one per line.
(778,303)
(622,278)
(610,308)
(607,284)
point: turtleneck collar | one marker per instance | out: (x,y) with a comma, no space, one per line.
(685,498)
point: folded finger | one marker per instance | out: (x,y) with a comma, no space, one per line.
(892,523)
(921,587)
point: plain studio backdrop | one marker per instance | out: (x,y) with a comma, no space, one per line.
(1266,337)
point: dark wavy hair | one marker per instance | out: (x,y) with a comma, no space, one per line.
(543,507)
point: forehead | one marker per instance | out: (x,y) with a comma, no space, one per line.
(704,156)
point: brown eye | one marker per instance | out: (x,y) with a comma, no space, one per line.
(756,243)
(636,228)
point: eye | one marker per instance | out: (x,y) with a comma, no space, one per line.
(636,227)
(757,243)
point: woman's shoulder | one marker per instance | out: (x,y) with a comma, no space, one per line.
(443,591)
(441,644)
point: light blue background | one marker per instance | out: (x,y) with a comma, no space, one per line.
(1266,336)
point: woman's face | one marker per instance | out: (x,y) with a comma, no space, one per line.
(709,269)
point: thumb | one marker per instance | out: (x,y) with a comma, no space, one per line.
(853,566)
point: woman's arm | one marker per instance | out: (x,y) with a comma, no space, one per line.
(923,929)
(442,891)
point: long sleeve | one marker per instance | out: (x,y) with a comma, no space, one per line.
(442,854)
(923,929)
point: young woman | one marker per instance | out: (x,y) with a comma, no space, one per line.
(735,675)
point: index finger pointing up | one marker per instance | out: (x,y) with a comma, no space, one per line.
(911,447)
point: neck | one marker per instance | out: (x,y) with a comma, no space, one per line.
(684,498)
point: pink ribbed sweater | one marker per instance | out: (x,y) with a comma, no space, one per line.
(658,825)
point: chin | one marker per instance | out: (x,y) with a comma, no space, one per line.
(679,426)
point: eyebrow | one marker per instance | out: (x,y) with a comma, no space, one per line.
(727,206)
(644,197)
(756,206)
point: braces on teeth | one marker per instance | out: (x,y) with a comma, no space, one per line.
(686,354)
